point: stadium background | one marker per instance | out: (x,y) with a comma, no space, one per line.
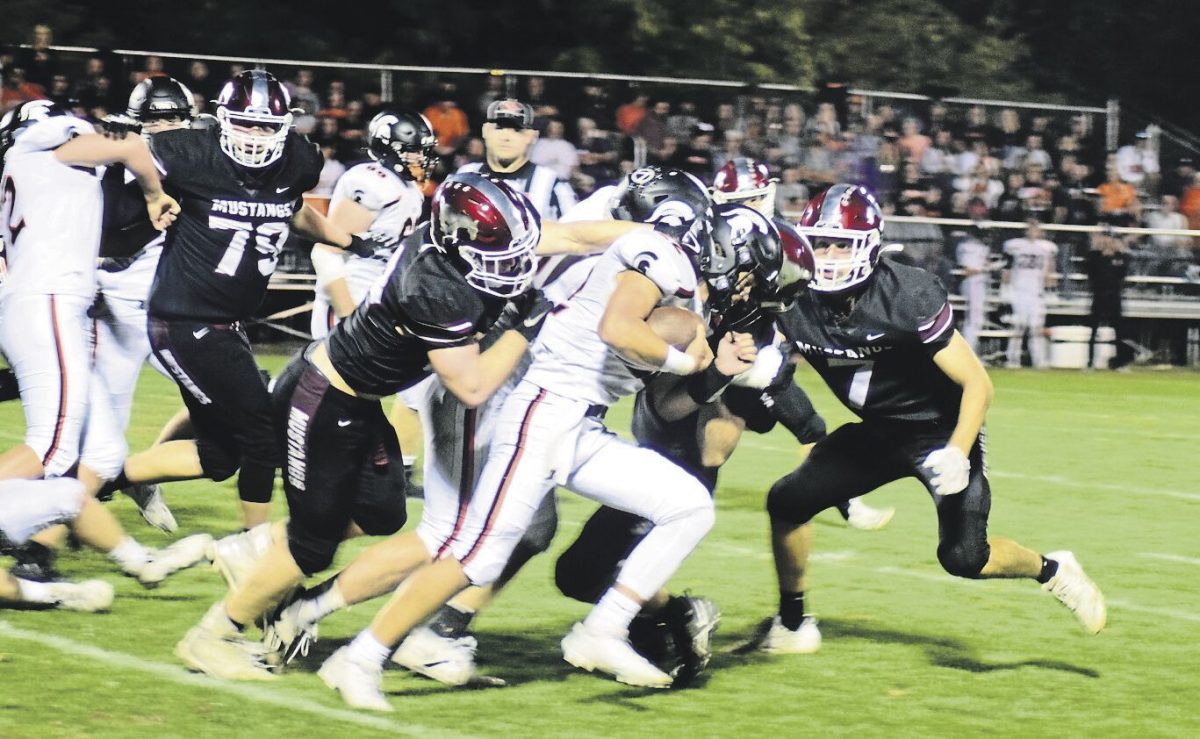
(1099,459)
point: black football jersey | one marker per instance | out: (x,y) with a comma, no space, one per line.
(127,226)
(222,249)
(421,303)
(878,358)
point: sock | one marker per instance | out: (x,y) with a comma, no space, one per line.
(130,555)
(217,620)
(367,649)
(1049,570)
(791,609)
(106,491)
(450,622)
(36,592)
(613,614)
(327,600)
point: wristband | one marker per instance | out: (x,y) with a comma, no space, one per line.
(678,363)
(704,386)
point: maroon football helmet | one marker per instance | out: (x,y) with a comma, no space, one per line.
(745,180)
(254,112)
(797,269)
(844,224)
(490,229)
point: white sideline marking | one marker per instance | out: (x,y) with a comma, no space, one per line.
(294,703)
(1171,558)
(1168,612)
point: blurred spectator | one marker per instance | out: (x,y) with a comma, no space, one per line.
(631,114)
(40,62)
(1178,178)
(825,122)
(913,143)
(543,108)
(939,158)
(788,145)
(790,193)
(1171,254)
(17,89)
(698,154)
(1119,204)
(204,88)
(335,102)
(352,129)
(1035,195)
(331,170)
(555,152)
(1082,198)
(924,244)
(978,185)
(976,128)
(727,119)
(372,101)
(152,66)
(1029,274)
(60,91)
(1010,207)
(973,257)
(653,128)
(938,119)
(471,152)
(304,99)
(1035,154)
(734,140)
(1137,163)
(1009,135)
(1189,204)
(493,90)
(681,123)
(1106,266)
(449,122)
(596,105)
(597,155)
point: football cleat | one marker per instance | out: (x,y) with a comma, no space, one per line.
(861,516)
(1075,590)
(153,506)
(692,622)
(360,684)
(234,556)
(773,637)
(34,562)
(230,656)
(182,554)
(449,661)
(288,632)
(589,650)
(88,596)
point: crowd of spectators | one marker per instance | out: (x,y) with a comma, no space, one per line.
(924,159)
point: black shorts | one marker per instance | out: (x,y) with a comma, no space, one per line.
(679,441)
(860,457)
(341,464)
(225,395)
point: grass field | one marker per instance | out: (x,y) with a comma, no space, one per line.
(1099,463)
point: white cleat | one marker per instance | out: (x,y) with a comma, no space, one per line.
(449,661)
(360,685)
(289,633)
(1075,590)
(234,556)
(88,596)
(589,650)
(229,656)
(775,638)
(182,554)
(153,506)
(865,518)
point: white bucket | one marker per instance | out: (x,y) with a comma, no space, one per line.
(1069,346)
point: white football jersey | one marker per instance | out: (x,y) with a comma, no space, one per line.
(52,214)
(973,254)
(396,206)
(1031,260)
(569,358)
(133,282)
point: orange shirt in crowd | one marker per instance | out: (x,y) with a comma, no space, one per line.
(629,116)
(449,124)
(1189,205)
(1117,197)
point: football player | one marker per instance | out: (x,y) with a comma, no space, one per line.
(1030,273)
(241,185)
(131,247)
(882,337)
(462,274)
(747,181)
(52,213)
(382,197)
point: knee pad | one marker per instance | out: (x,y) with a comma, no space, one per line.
(581,577)
(380,508)
(964,559)
(256,482)
(312,553)
(218,463)
(785,504)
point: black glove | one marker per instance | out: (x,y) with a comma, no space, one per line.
(375,246)
(527,313)
(119,126)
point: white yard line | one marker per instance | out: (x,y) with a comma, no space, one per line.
(1171,558)
(291,702)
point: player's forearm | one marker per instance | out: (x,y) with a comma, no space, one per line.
(311,225)
(582,237)
(494,367)
(633,339)
(972,410)
(340,298)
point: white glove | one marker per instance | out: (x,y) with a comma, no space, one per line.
(763,371)
(951,470)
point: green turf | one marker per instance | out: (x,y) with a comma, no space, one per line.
(1098,463)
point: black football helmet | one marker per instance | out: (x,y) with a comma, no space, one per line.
(393,137)
(744,242)
(24,115)
(254,112)
(160,98)
(676,202)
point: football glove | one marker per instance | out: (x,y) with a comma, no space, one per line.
(763,372)
(373,246)
(524,314)
(119,126)
(951,470)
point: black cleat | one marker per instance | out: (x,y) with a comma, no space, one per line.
(691,622)
(34,562)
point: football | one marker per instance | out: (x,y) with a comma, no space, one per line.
(676,326)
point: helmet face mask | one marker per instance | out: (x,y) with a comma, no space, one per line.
(747,182)
(491,230)
(796,270)
(747,254)
(404,143)
(253,114)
